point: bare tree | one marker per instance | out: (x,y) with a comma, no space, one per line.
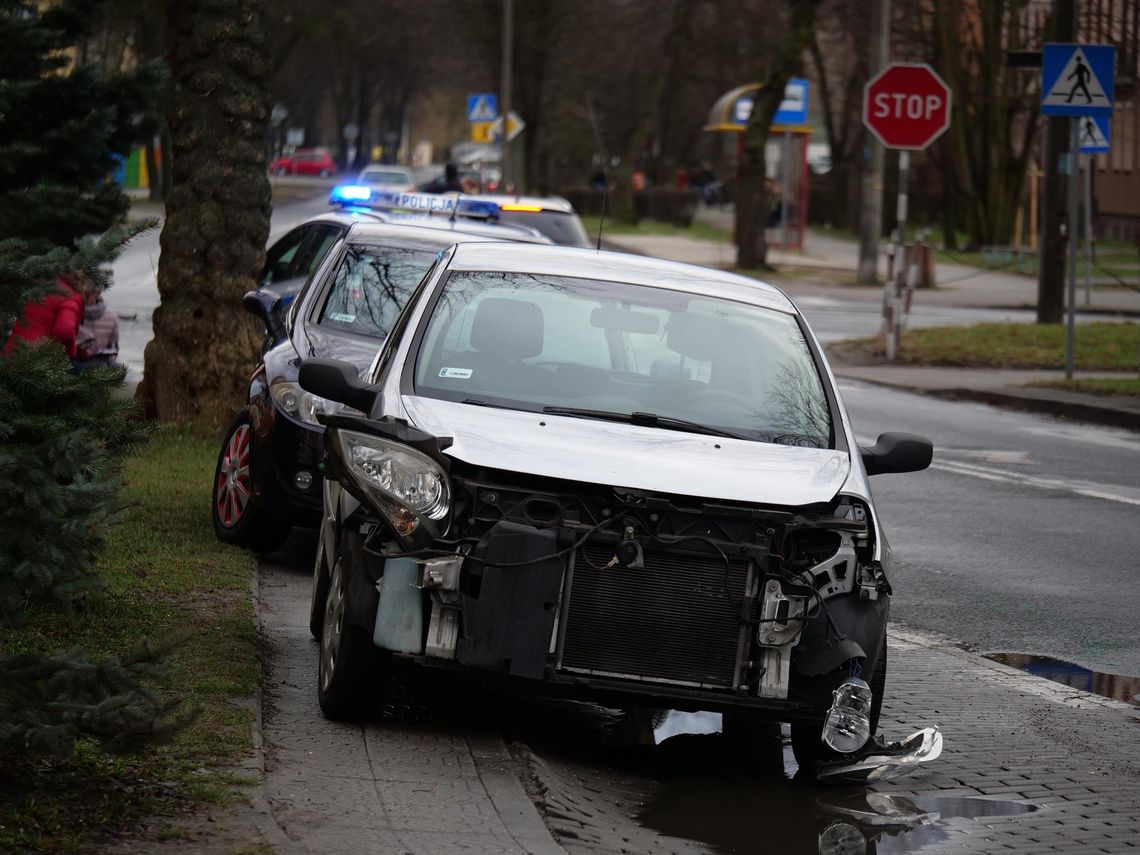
(752,200)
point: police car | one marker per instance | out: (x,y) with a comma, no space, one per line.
(332,287)
(614,478)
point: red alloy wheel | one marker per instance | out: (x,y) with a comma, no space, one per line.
(233,487)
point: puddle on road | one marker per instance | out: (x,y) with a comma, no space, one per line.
(1113,686)
(703,796)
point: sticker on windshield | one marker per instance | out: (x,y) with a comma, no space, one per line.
(341,317)
(456,373)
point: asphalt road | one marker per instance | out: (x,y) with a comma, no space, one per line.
(835,319)
(1023,534)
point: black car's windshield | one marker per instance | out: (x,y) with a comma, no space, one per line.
(371,285)
(547,342)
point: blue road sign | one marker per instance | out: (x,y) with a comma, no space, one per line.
(482,107)
(793,109)
(1094,134)
(1076,80)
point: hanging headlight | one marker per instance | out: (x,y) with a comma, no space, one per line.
(291,399)
(400,482)
(848,724)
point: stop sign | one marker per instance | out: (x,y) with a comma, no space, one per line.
(906,105)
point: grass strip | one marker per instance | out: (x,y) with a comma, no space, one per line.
(1099,346)
(165,576)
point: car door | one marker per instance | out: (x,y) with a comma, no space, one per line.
(290,261)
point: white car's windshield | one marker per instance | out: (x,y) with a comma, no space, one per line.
(558,343)
(385,177)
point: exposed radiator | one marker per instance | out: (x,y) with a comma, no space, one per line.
(676,619)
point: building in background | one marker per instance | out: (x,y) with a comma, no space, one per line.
(1117,188)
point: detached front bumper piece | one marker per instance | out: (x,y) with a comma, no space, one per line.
(881,762)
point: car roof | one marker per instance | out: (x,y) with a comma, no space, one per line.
(425,231)
(348,218)
(436,225)
(620,267)
(459,228)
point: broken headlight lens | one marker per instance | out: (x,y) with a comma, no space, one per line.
(298,403)
(848,724)
(404,483)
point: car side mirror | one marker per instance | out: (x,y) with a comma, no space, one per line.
(338,381)
(264,305)
(897,452)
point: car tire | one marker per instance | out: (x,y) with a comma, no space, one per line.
(325,173)
(352,673)
(320,592)
(806,745)
(239,516)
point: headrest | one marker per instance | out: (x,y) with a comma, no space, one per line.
(695,336)
(507,329)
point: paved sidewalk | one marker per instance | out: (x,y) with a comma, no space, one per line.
(829,261)
(1029,766)
(407,786)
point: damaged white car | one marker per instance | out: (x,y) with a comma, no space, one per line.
(616,478)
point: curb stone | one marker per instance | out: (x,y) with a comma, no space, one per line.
(1011,677)
(1027,402)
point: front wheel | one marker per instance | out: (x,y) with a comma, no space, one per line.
(239,516)
(352,672)
(806,745)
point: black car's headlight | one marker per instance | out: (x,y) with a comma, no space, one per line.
(290,398)
(401,483)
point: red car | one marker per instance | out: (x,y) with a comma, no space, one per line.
(305,161)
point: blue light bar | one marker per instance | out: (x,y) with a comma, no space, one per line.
(350,194)
(447,204)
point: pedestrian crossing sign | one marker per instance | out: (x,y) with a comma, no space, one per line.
(1076,80)
(482,107)
(1094,134)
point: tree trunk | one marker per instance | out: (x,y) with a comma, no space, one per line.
(647,118)
(217,213)
(752,196)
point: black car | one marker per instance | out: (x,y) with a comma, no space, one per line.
(356,274)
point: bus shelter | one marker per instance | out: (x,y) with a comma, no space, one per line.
(785,158)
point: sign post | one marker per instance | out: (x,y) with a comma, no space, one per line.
(1076,81)
(907,107)
(1095,136)
(793,110)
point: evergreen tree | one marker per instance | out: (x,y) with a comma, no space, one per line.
(62,436)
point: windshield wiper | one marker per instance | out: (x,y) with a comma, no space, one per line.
(644,420)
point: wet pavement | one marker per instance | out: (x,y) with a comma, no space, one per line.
(1115,686)
(1029,766)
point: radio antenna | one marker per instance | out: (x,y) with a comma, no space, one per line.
(602,218)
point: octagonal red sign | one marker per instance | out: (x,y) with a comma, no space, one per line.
(907,105)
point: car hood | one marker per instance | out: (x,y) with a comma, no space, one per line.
(358,350)
(632,456)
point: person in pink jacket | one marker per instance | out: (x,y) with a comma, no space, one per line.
(97,343)
(55,317)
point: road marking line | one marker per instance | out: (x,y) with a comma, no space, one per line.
(1080,488)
